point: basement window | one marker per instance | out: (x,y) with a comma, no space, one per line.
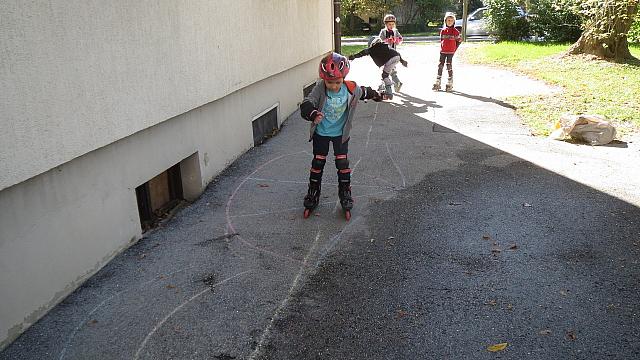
(265,125)
(158,197)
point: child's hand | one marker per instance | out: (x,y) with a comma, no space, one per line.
(318,118)
(404,62)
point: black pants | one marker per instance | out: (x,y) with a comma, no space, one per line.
(448,58)
(320,152)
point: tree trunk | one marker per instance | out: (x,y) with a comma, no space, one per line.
(605,34)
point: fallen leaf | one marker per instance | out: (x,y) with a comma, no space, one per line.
(545,332)
(455,203)
(401,314)
(142,256)
(93,322)
(486,237)
(563,293)
(513,247)
(491,302)
(497,347)
(509,307)
(171,286)
(263,185)
(496,251)
(571,335)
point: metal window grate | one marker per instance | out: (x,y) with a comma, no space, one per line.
(265,126)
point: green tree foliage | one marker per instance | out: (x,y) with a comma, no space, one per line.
(634,33)
(434,10)
(348,11)
(379,7)
(504,21)
(555,20)
(473,5)
(606,24)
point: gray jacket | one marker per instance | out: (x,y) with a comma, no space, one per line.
(314,103)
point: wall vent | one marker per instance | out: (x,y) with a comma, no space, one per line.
(265,125)
(159,196)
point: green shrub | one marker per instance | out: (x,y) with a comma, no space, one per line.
(504,20)
(633,36)
(555,20)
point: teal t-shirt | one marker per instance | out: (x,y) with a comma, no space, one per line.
(335,113)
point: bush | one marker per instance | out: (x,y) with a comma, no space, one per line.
(504,20)
(633,36)
(555,20)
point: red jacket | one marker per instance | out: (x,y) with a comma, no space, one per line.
(449,40)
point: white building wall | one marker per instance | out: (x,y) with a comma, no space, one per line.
(80,74)
(100,96)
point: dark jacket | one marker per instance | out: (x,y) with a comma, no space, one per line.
(314,103)
(380,53)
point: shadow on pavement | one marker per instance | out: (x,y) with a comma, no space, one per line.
(454,245)
(484,99)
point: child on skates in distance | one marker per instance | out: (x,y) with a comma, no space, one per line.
(391,36)
(384,57)
(449,41)
(330,107)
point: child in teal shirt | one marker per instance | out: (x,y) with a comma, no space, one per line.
(330,107)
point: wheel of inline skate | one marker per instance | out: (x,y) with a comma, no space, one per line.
(306,214)
(347,215)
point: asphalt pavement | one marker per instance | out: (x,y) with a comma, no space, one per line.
(467,232)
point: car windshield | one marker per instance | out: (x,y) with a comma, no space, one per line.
(477,15)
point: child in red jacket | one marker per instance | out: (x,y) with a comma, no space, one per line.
(449,41)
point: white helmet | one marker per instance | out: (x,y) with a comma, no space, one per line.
(389,17)
(449,14)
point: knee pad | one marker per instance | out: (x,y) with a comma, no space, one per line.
(318,162)
(385,75)
(449,66)
(342,163)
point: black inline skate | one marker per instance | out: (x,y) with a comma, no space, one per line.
(312,198)
(346,201)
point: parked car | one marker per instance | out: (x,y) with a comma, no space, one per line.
(477,23)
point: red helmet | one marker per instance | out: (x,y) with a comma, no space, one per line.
(333,66)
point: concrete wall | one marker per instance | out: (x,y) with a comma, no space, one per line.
(100,96)
(80,74)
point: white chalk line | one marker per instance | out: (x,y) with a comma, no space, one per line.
(404,182)
(231,198)
(366,146)
(306,183)
(263,213)
(177,308)
(93,311)
(285,301)
(334,241)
